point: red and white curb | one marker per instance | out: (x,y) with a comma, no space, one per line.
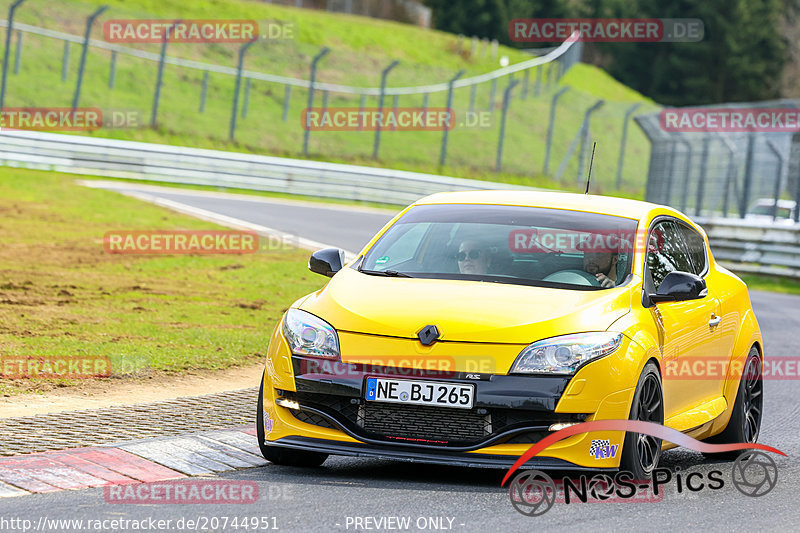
(139,461)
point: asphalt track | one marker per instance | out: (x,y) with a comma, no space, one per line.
(349,494)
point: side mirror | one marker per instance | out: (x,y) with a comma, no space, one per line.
(679,286)
(327,261)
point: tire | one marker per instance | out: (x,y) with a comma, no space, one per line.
(745,422)
(641,453)
(277,454)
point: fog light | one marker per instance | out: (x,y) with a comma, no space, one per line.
(289,404)
(559,426)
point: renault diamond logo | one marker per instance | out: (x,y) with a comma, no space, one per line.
(428,335)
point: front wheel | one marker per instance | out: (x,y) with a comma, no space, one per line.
(640,452)
(277,454)
(745,422)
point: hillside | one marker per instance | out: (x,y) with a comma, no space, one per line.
(361,47)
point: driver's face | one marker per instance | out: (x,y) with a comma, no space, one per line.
(472,259)
(597,262)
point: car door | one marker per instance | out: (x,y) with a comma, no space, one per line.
(686,329)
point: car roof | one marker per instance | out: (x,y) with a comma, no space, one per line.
(590,203)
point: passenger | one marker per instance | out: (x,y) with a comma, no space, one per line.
(603,265)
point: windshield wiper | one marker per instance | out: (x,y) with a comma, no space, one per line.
(387,273)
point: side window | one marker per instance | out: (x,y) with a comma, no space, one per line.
(697,248)
(666,252)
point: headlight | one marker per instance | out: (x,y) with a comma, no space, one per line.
(310,335)
(563,355)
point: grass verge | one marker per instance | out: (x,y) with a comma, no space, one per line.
(62,295)
(771,283)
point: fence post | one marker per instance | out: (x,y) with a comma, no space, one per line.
(778,178)
(9,29)
(307,133)
(551,126)
(474,50)
(670,167)
(324,101)
(702,181)
(362,103)
(506,102)
(748,175)
(797,202)
(687,173)
(112,72)
(18,52)
(585,136)
(384,74)
(76,98)
(65,62)
(287,94)
(729,175)
(246,103)
(538,87)
(239,67)
(472,95)
(204,92)
(160,75)
(451,116)
(621,161)
(525,82)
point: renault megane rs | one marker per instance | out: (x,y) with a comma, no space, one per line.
(476,323)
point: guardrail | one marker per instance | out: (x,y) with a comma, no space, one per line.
(194,166)
(753,247)
(742,245)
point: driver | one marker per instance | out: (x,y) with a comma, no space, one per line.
(603,265)
(473,258)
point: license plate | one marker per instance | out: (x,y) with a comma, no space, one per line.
(420,392)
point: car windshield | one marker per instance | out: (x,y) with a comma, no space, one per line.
(506,244)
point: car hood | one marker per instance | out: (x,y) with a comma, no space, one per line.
(463,311)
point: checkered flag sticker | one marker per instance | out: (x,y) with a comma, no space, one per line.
(598,444)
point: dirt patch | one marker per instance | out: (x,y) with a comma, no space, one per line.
(113,392)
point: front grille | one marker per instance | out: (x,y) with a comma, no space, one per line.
(428,425)
(529,437)
(422,422)
(313,418)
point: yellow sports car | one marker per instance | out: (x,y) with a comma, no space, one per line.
(476,323)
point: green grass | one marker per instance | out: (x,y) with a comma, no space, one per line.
(360,49)
(771,284)
(62,295)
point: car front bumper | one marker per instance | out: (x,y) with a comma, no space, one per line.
(311,406)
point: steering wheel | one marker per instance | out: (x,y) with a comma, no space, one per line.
(573,277)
